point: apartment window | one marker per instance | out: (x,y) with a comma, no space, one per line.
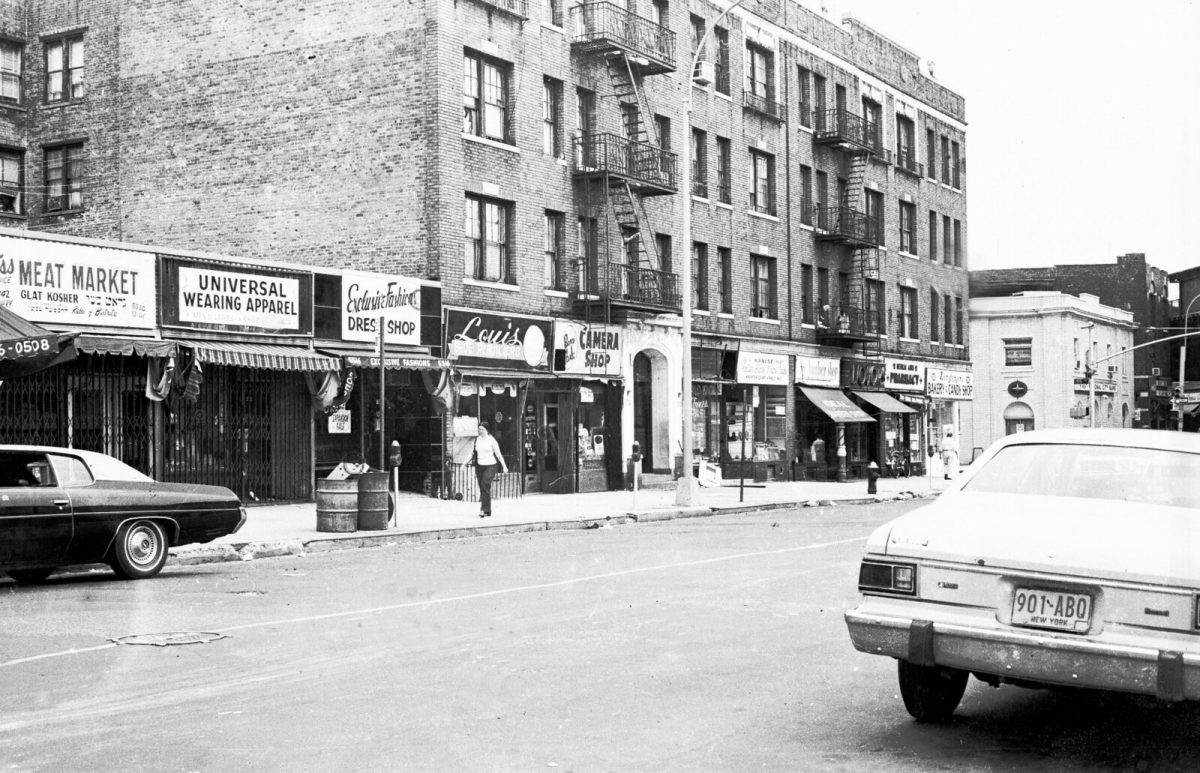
(552,249)
(820,195)
(724,171)
(955,166)
(699,163)
(64,178)
(12,165)
(487,245)
(908,220)
(632,239)
(659,14)
(721,64)
(819,89)
(843,290)
(872,121)
(948,319)
(552,12)
(930,154)
(698,25)
(725,258)
(586,242)
(485,91)
(551,117)
(908,312)
(1018,352)
(874,310)
(804,79)
(906,143)
(762,287)
(762,192)
(699,275)
(64,69)
(806,291)
(806,201)
(10,71)
(662,245)
(958,321)
(945,159)
(822,289)
(958,242)
(947,245)
(662,125)
(933,236)
(935,303)
(759,71)
(585,124)
(874,215)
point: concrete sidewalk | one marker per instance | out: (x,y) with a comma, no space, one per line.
(275,530)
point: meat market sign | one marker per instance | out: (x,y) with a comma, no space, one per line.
(226,297)
(949,384)
(77,284)
(903,375)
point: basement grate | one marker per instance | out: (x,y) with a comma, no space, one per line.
(169,639)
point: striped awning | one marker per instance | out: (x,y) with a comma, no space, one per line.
(262,356)
(143,347)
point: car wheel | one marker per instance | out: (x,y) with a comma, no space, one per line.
(931,693)
(140,550)
(31,576)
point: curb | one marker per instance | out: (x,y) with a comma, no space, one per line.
(248,551)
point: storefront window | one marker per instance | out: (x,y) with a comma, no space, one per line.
(589,433)
(770,423)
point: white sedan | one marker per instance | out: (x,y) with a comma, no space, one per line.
(1059,558)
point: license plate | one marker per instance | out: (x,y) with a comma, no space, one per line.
(1052,609)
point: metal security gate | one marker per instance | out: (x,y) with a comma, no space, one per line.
(95,403)
(249,430)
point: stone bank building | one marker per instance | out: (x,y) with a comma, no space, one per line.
(500,181)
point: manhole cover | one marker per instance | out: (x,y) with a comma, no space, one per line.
(170,639)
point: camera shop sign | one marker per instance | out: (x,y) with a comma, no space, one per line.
(366,297)
(223,296)
(587,350)
(492,340)
(903,375)
(949,384)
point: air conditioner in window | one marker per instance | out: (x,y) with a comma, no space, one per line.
(705,73)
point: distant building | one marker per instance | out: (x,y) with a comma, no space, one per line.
(1189,305)
(1129,284)
(1031,356)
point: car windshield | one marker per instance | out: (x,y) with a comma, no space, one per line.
(1145,475)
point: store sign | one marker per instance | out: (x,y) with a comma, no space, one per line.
(759,368)
(949,384)
(366,297)
(204,295)
(76,284)
(818,371)
(588,350)
(493,340)
(862,373)
(340,422)
(903,375)
(1101,385)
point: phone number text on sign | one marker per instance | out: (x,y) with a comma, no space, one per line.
(25,347)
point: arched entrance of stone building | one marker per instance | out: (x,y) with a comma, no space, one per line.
(650,415)
(1018,417)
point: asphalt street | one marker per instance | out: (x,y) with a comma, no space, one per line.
(699,644)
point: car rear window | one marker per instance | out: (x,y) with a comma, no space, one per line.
(1144,475)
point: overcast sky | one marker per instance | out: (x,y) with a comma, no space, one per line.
(1083,141)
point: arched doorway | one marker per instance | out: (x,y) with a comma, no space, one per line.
(651,416)
(1018,417)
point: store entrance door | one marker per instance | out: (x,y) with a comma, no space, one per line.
(643,409)
(546,469)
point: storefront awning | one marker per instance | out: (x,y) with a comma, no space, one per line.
(1190,408)
(498,374)
(359,358)
(262,356)
(835,404)
(142,347)
(27,347)
(884,402)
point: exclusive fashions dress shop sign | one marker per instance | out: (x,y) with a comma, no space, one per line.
(495,341)
(76,284)
(366,297)
(226,297)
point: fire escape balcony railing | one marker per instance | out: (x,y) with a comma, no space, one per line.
(847,130)
(764,106)
(848,225)
(646,166)
(518,8)
(606,25)
(906,161)
(847,323)
(640,286)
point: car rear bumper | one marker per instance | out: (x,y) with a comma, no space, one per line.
(1027,655)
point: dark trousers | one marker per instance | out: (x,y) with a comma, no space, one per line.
(484,473)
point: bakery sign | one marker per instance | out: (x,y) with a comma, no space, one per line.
(494,340)
(368,297)
(229,297)
(903,375)
(587,350)
(77,284)
(950,384)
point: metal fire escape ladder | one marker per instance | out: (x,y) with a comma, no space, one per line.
(629,209)
(864,261)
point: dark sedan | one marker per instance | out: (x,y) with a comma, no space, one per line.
(62,506)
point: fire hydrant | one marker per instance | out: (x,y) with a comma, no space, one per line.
(872,476)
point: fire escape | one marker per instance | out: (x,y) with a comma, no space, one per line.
(856,320)
(621,273)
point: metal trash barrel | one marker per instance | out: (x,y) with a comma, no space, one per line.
(337,505)
(373,501)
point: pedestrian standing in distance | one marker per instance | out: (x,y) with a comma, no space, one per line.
(488,461)
(950,454)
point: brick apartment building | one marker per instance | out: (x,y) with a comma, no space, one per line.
(1129,284)
(519,162)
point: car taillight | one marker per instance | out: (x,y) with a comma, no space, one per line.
(880,576)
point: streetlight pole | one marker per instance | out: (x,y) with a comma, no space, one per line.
(685,492)
(1183,355)
(1089,370)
